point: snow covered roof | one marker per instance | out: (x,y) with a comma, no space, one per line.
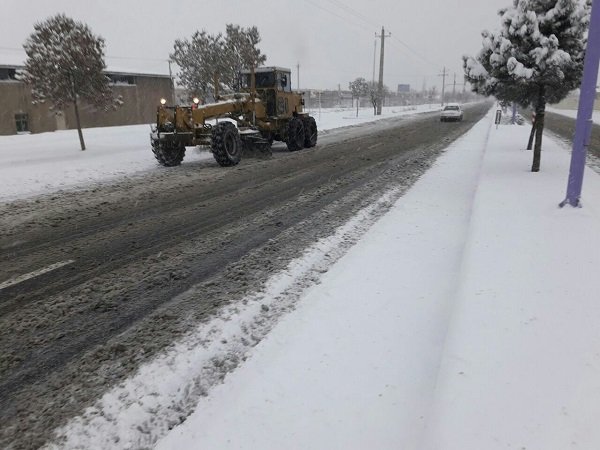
(112,72)
(15,59)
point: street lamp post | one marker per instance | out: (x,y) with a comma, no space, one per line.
(587,95)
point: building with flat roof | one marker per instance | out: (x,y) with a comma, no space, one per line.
(140,93)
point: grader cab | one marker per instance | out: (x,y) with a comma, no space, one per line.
(265,110)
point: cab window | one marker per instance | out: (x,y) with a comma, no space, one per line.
(284,83)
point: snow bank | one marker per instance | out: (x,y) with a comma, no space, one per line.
(36,164)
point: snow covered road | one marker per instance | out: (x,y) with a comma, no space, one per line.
(153,256)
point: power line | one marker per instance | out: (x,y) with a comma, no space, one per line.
(137,58)
(414,52)
(357,14)
(345,19)
(353,11)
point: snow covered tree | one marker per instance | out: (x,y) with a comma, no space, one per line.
(359,88)
(210,62)
(65,63)
(242,51)
(535,58)
(201,63)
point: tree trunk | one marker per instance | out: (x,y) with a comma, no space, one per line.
(531,135)
(216,92)
(357,102)
(540,111)
(81,141)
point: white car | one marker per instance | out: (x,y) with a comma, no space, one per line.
(452,111)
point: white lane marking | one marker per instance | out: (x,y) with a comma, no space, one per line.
(37,273)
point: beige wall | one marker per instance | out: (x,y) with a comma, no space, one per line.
(140,102)
(15,98)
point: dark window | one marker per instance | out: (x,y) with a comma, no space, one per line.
(8,74)
(121,80)
(22,121)
(265,80)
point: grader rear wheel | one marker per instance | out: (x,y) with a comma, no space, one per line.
(295,137)
(226,144)
(310,132)
(168,154)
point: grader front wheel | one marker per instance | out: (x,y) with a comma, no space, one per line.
(226,144)
(168,154)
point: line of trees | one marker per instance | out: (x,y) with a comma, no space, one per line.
(363,88)
(534,59)
(65,64)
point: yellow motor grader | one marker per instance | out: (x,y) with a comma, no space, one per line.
(265,111)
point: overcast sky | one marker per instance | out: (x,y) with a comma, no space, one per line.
(332,40)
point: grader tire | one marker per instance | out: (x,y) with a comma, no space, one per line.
(310,132)
(168,154)
(226,144)
(295,136)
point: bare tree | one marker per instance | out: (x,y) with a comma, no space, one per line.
(65,63)
(375,94)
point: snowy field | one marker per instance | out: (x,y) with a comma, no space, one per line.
(466,318)
(572,113)
(47,162)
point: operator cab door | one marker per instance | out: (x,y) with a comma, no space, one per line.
(284,94)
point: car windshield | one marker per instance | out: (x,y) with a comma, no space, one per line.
(451,108)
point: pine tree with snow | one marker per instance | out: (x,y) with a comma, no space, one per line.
(65,63)
(536,58)
(211,62)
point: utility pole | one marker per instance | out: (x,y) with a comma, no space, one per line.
(374,58)
(443,75)
(454,88)
(172,83)
(583,125)
(380,89)
(298,72)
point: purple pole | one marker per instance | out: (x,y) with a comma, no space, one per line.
(587,95)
